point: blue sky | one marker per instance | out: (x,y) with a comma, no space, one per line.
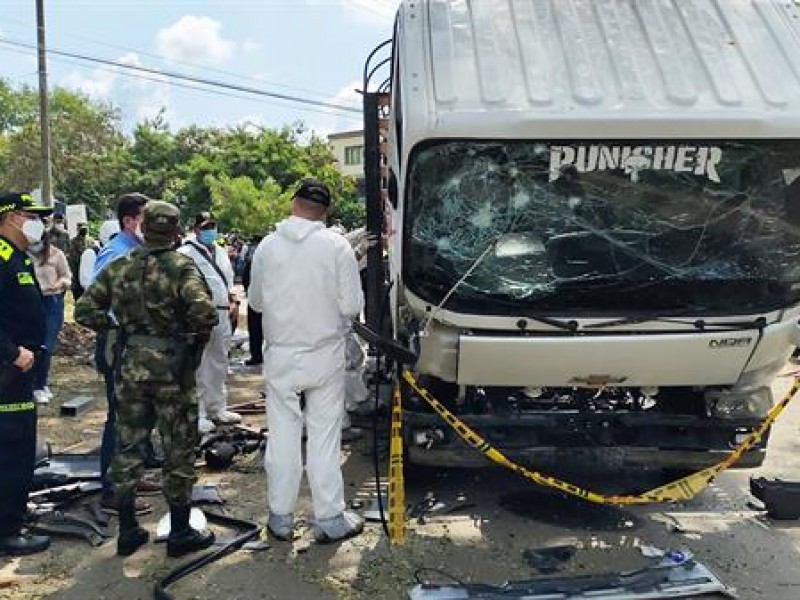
(309,48)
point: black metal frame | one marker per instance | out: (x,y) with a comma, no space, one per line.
(372,182)
(656,440)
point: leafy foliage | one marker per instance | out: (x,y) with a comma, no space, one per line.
(246,174)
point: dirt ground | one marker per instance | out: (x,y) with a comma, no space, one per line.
(484,541)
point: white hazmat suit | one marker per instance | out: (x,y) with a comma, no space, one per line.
(211,391)
(305,282)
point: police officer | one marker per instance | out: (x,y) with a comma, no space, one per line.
(22,329)
(164,314)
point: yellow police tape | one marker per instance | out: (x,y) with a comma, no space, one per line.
(397,491)
(677,491)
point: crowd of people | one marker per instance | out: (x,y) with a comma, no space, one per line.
(162,302)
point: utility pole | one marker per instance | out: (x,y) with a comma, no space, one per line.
(44,113)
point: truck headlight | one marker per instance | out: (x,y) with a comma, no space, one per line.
(734,404)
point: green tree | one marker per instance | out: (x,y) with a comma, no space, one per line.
(87,146)
(247,174)
(241,205)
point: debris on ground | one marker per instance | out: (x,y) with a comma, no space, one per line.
(549,559)
(75,340)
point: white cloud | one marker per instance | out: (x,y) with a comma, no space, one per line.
(334,120)
(250,46)
(139,98)
(97,83)
(195,39)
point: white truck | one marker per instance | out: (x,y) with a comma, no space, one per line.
(594,236)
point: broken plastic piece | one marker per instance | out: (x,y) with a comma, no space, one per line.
(206,493)
(665,580)
(782,498)
(58,523)
(550,559)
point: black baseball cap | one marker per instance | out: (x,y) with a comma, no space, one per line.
(204,218)
(12,201)
(314,191)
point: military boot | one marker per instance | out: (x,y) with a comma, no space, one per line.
(131,536)
(182,538)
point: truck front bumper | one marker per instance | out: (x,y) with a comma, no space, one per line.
(566,439)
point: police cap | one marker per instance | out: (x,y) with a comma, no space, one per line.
(16,201)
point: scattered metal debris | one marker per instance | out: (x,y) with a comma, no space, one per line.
(677,577)
(76,406)
(549,559)
(59,523)
(73,466)
(206,493)
(781,498)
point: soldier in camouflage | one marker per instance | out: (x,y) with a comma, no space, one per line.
(164,314)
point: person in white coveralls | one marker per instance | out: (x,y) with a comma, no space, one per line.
(213,263)
(305,282)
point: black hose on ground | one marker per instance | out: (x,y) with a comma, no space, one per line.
(250,530)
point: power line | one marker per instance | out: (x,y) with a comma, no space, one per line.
(189,78)
(158,79)
(180,62)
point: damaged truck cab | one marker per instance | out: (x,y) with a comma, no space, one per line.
(594,238)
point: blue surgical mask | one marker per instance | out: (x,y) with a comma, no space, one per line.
(207,237)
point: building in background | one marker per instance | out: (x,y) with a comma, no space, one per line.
(348,148)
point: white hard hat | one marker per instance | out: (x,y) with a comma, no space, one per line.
(107,230)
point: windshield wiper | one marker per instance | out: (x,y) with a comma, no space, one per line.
(699,324)
(571,325)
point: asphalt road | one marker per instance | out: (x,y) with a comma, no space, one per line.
(757,556)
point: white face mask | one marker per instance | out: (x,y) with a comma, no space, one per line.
(139,233)
(36,248)
(33,230)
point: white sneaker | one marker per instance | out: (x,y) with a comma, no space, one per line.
(205,425)
(50,395)
(40,397)
(227,417)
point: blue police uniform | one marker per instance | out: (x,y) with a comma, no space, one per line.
(22,323)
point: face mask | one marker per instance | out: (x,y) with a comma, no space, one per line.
(207,237)
(33,230)
(138,232)
(36,248)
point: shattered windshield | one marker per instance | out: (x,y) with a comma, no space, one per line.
(604,227)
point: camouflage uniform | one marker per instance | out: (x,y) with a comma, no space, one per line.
(160,301)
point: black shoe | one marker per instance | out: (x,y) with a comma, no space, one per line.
(130,540)
(23,544)
(182,538)
(252,362)
(186,542)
